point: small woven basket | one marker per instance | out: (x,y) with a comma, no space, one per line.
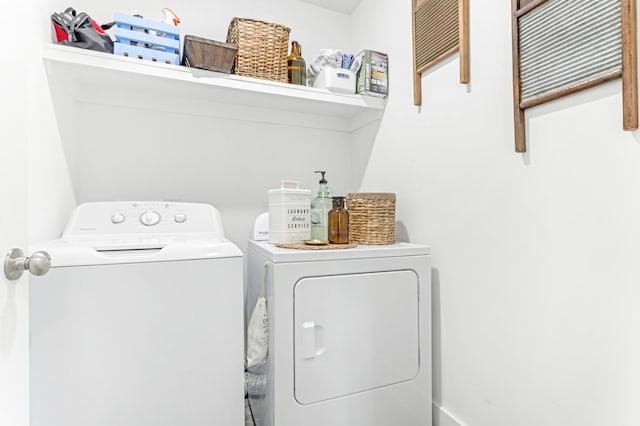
(372,217)
(208,54)
(262,48)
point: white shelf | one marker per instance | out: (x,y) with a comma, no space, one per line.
(94,77)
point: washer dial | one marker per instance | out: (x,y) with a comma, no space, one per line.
(150,218)
(117,218)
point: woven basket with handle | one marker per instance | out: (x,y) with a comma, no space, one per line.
(262,48)
(372,217)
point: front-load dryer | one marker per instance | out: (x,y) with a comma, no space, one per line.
(139,320)
(349,339)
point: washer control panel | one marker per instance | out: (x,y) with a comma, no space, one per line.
(150,213)
(143,217)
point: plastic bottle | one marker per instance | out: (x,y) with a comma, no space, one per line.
(338,222)
(296,66)
(320,207)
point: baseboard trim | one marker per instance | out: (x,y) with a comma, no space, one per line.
(441,417)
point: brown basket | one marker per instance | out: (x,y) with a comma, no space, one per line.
(372,217)
(208,54)
(262,48)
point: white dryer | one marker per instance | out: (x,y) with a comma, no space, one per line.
(350,335)
(139,320)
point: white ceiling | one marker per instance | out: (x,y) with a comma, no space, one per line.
(343,6)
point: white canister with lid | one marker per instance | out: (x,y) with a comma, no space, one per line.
(289,213)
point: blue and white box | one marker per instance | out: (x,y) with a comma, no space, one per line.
(146,39)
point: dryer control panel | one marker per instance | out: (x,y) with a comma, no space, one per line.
(142,217)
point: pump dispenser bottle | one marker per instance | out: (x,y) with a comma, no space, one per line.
(320,207)
(338,222)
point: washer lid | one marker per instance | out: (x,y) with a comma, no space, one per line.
(279,255)
(141,250)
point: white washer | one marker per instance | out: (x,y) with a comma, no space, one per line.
(350,335)
(139,320)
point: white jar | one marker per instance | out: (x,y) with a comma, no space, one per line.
(289,213)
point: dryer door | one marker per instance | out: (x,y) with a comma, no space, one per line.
(354,333)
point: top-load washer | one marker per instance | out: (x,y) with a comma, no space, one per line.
(139,320)
(349,335)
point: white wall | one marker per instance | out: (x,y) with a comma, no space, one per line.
(51,196)
(536,273)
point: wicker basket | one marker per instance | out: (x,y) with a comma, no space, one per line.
(372,217)
(208,54)
(262,48)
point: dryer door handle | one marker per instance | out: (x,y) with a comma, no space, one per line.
(312,340)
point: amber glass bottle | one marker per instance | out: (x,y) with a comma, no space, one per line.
(338,218)
(296,66)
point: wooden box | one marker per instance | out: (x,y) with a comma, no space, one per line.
(207,54)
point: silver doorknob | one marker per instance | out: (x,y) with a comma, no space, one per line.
(15,263)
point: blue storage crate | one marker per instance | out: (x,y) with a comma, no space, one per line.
(146,39)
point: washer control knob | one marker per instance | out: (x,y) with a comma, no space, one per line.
(150,218)
(117,218)
(180,218)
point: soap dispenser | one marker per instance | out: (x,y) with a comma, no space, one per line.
(320,207)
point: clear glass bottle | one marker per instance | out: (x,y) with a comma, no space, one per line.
(338,218)
(320,207)
(296,66)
